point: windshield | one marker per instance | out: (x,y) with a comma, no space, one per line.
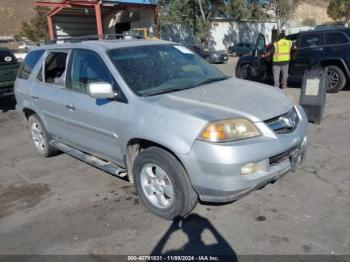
(157,69)
(6,58)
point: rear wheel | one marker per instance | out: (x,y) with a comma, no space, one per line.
(163,184)
(336,79)
(245,72)
(39,137)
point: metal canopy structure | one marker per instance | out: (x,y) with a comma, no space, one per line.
(91,8)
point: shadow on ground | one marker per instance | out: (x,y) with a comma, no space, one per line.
(194,226)
(7,104)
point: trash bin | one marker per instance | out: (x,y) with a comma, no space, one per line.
(313,94)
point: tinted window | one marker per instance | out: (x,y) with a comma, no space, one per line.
(310,40)
(336,38)
(240,45)
(347,32)
(7,57)
(29,63)
(55,68)
(88,67)
(261,43)
(155,69)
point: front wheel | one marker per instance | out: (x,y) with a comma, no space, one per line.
(162,184)
(336,79)
(245,72)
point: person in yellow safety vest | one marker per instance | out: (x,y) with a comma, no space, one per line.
(280,56)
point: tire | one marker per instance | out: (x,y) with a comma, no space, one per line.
(245,72)
(154,165)
(336,79)
(39,137)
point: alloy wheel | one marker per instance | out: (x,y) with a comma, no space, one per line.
(332,79)
(38,136)
(157,186)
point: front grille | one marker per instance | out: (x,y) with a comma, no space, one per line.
(275,160)
(285,123)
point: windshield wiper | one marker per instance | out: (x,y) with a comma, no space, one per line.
(166,90)
(174,89)
(210,80)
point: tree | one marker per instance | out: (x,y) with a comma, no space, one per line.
(197,14)
(237,9)
(283,10)
(36,28)
(339,10)
(246,9)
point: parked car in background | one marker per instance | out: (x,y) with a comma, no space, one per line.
(328,48)
(155,112)
(240,49)
(26,46)
(212,56)
(8,71)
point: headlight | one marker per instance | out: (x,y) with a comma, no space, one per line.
(229,130)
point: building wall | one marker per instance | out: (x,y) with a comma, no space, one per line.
(138,18)
(224,34)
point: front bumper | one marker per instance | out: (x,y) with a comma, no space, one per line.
(215,169)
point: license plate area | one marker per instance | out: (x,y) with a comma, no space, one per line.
(275,160)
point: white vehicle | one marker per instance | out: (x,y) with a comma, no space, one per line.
(26,46)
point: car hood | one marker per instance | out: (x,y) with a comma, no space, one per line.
(229,99)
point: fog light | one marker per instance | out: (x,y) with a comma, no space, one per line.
(249,169)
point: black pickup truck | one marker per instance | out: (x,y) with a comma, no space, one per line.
(8,71)
(329,48)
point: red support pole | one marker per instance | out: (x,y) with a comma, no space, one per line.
(99,20)
(50,27)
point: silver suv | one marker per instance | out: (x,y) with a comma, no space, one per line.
(161,116)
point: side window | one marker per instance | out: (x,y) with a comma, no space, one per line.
(336,38)
(55,68)
(240,45)
(29,63)
(88,67)
(311,40)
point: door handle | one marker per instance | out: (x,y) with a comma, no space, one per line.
(35,97)
(70,107)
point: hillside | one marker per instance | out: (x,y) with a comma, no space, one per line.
(316,9)
(12,13)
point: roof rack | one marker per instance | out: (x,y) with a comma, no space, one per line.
(78,39)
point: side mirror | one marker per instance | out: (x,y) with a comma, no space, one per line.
(101,90)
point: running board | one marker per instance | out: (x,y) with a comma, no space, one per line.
(92,160)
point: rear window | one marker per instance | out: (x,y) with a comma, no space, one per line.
(29,63)
(336,38)
(7,57)
(311,40)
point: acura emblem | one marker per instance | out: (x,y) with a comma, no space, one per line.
(289,119)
